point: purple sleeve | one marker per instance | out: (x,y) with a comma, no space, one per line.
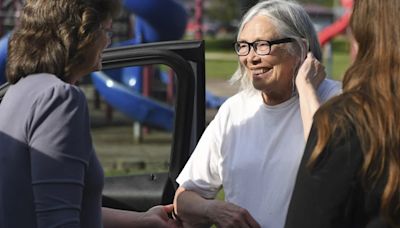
(60,146)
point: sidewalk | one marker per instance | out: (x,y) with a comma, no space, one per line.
(221,87)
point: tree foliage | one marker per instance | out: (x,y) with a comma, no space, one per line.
(327,3)
(223,10)
(227,10)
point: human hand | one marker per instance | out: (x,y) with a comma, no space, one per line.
(157,217)
(311,72)
(228,215)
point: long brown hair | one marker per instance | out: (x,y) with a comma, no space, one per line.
(53,36)
(370,103)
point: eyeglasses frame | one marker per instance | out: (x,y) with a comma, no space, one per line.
(269,42)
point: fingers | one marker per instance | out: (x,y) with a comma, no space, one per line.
(310,55)
(168,208)
(158,217)
(174,224)
(230,215)
(251,221)
(244,218)
(311,71)
(160,211)
(319,74)
(314,63)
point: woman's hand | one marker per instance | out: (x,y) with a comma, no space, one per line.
(309,77)
(228,215)
(310,72)
(196,211)
(157,217)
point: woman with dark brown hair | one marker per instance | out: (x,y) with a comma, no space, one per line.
(49,173)
(350,172)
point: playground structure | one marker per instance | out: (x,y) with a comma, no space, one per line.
(339,26)
(157,20)
(129,89)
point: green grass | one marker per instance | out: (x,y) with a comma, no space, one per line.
(341,57)
(221,195)
(220,45)
(341,61)
(220,69)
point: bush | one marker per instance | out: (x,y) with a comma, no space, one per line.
(225,44)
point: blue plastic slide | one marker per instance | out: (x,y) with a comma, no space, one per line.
(155,20)
(213,101)
(3,57)
(142,109)
(158,20)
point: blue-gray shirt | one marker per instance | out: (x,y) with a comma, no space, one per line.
(49,173)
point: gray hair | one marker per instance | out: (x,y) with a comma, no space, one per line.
(290,20)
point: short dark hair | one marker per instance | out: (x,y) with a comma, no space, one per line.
(52,36)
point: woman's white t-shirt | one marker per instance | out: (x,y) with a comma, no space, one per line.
(253,151)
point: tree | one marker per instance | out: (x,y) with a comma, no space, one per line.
(247,4)
(328,3)
(223,11)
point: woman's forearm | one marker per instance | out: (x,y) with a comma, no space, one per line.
(309,104)
(195,211)
(155,217)
(310,75)
(113,218)
(192,209)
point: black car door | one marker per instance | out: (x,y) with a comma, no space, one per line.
(139,192)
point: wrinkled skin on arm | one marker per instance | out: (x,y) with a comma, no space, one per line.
(196,211)
(310,75)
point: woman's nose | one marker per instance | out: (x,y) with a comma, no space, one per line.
(253,56)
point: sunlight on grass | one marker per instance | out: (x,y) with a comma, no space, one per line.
(220,69)
(341,61)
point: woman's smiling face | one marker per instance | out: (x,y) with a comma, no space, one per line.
(272,74)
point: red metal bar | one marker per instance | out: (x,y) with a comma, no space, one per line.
(170,87)
(198,14)
(147,74)
(1,19)
(146,86)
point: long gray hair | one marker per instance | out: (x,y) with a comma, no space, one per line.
(290,20)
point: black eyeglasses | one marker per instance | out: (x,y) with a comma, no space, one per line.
(261,47)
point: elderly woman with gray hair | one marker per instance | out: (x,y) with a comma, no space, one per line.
(253,147)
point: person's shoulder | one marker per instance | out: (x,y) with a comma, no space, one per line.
(338,107)
(330,84)
(329,88)
(236,104)
(49,88)
(240,98)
